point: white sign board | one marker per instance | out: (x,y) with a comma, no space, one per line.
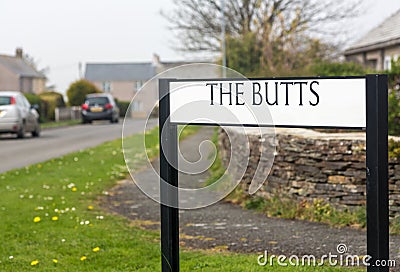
(300,102)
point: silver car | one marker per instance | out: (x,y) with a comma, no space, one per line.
(17,115)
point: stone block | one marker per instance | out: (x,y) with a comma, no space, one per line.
(354,188)
(304,161)
(299,184)
(353,202)
(395,209)
(339,179)
(307,169)
(338,165)
(394,196)
(359,165)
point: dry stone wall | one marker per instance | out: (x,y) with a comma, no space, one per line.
(309,165)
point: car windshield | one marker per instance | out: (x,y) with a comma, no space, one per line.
(5,100)
(97,101)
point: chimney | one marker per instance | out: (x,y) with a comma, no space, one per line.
(156,60)
(19,52)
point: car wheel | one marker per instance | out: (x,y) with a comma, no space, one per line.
(21,132)
(36,132)
(85,121)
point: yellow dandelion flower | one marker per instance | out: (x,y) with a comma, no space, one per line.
(74,189)
(96,249)
(54,218)
(36,219)
(83,258)
(35,262)
(90,207)
(55,261)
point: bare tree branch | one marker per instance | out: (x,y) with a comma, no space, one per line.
(262,35)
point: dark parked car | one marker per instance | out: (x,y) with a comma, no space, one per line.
(17,115)
(100,107)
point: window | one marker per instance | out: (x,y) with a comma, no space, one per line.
(101,101)
(137,106)
(387,65)
(107,86)
(5,100)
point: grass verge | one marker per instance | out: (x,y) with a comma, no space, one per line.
(51,220)
(316,211)
(60,124)
(217,169)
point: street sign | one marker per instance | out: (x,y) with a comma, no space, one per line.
(315,102)
(333,102)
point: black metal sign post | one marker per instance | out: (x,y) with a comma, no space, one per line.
(377,171)
(376,163)
(169,176)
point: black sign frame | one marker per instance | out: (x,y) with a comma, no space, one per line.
(376,171)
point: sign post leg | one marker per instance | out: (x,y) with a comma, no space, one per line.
(168,177)
(377,171)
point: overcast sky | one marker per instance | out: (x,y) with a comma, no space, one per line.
(60,34)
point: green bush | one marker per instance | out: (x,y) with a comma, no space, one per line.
(123,107)
(78,90)
(394,75)
(32,98)
(394,149)
(394,114)
(52,101)
(394,98)
(256,203)
(337,69)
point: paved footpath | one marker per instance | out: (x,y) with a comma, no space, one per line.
(224,226)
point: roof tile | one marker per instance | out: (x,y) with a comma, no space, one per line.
(386,31)
(19,66)
(119,71)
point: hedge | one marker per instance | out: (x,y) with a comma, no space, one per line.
(47,102)
(123,107)
(52,101)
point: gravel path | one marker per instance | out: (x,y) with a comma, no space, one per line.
(224,226)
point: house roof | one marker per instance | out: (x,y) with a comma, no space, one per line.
(384,35)
(19,66)
(119,71)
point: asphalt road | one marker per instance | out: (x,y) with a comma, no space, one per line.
(55,142)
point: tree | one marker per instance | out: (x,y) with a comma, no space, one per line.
(280,30)
(78,90)
(242,54)
(394,98)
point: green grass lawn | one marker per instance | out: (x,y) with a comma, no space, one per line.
(51,220)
